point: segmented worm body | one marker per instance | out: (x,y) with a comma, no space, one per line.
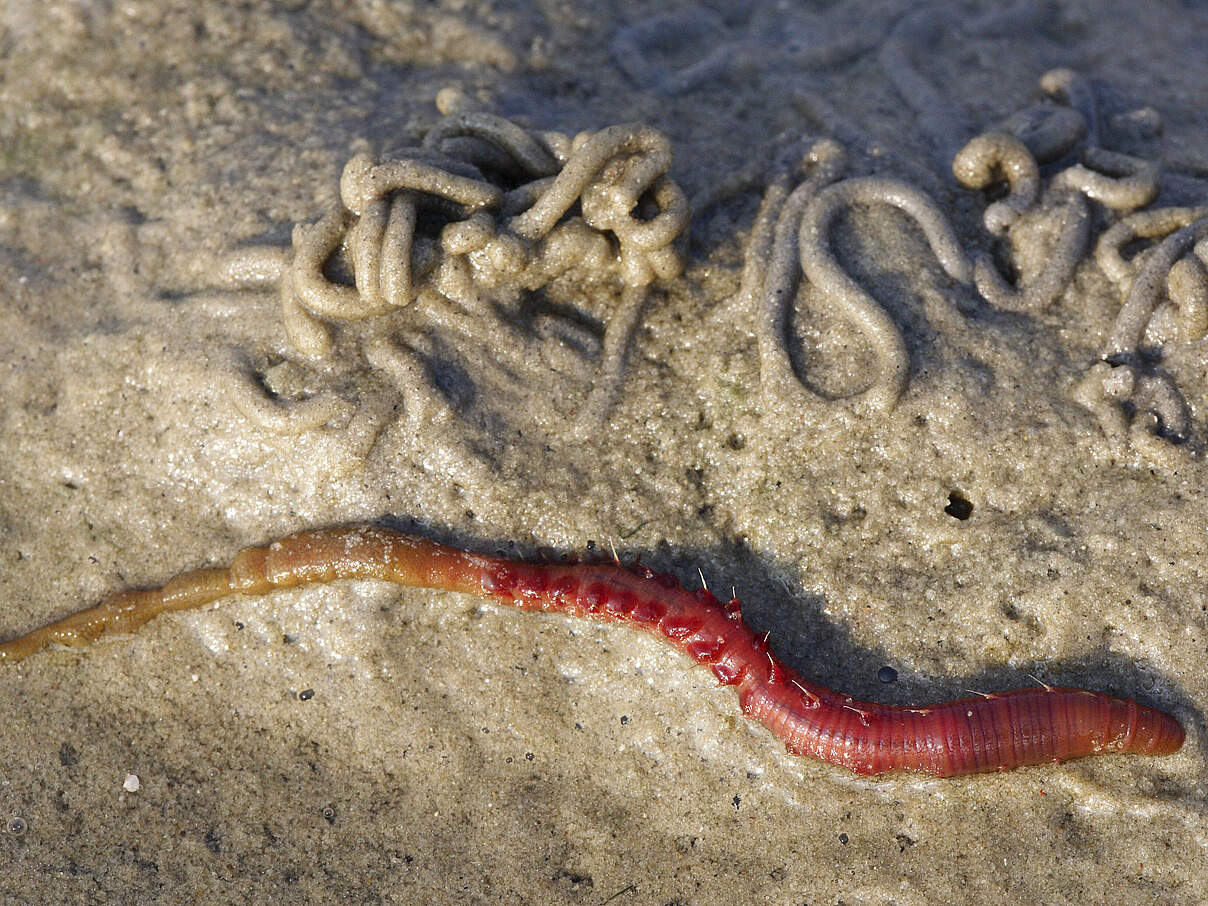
(992,732)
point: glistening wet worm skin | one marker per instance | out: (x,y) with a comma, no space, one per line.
(994,732)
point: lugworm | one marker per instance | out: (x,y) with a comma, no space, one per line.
(993,732)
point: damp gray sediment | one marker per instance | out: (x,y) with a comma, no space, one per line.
(157,418)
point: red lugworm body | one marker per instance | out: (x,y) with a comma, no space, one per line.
(993,732)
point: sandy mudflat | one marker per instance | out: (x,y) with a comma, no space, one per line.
(358,744)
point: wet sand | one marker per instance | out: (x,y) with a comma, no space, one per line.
(357,743)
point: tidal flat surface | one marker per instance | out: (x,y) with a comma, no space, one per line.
(1022,508)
